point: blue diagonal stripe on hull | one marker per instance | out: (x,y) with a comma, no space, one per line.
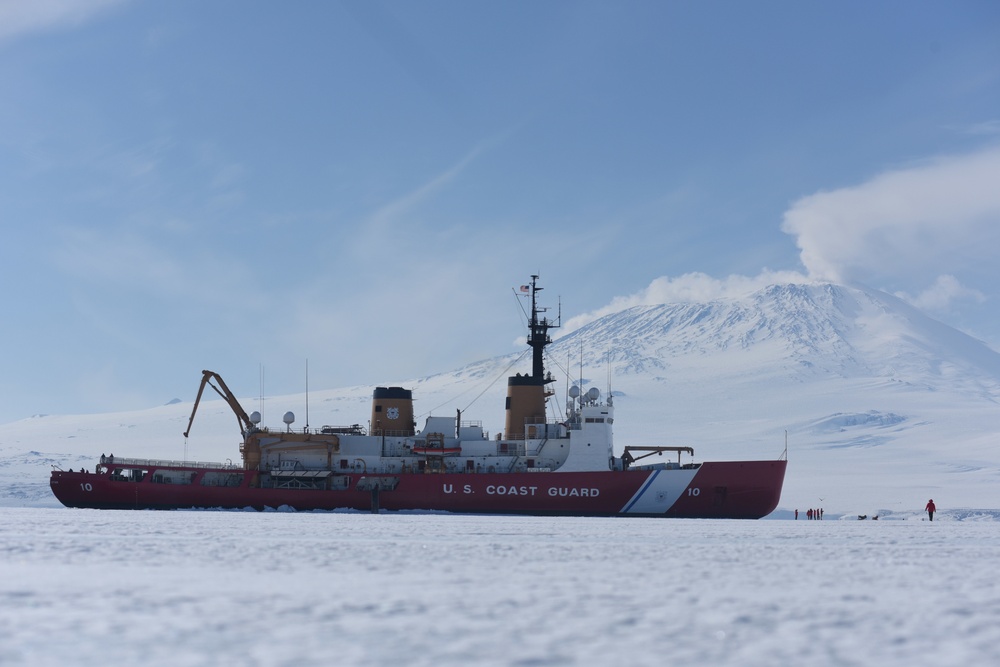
(641,491)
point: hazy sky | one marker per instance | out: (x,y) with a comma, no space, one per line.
(237,184)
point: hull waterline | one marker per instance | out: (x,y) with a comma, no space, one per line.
(735,490)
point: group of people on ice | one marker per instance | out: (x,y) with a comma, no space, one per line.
(818,514)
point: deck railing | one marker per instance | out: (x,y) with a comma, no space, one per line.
(112,461)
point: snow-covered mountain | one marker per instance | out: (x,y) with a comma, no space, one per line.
(792,332)
(882,406)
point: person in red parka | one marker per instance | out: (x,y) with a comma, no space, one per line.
(930,509)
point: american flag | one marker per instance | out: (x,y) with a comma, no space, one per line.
(525,289)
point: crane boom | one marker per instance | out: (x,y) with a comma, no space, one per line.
(223,391)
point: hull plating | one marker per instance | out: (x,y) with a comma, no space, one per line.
(737,490)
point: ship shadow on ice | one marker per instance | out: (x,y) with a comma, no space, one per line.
(862,442)
(840,422)
(855,430)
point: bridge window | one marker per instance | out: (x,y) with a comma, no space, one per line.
(173,477)
(128,475)
(222,479)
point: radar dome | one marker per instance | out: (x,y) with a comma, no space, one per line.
(289,417)
(254,417)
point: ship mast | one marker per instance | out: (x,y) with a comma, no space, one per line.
(526,394)
(538,332)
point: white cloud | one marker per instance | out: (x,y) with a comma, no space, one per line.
(987,128)
(907,224)
(19,17)
(939,296)
(395,212)
(131,263)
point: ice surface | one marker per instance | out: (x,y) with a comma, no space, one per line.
(86,587)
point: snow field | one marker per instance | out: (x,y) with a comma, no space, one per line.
(200,588)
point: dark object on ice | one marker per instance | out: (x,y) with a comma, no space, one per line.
(930,509)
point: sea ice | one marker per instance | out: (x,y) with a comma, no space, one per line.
(86,587)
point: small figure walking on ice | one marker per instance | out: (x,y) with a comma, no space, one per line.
(930,509)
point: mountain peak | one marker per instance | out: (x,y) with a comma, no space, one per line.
(795,331)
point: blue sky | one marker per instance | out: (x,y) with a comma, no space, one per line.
(231,185)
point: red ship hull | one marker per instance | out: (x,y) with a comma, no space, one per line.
(735,490)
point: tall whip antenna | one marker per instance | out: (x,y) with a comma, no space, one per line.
(260,397)
(610,399)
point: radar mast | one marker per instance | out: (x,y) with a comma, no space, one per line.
(538,333)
